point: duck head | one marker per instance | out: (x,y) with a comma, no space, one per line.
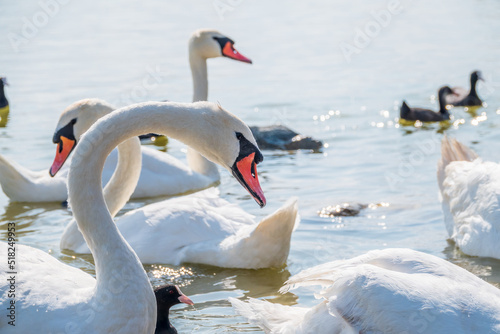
(442,93)
(475,76)
(3,81)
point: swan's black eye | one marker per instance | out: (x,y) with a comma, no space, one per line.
(73,121)
(239,136)
(171,292)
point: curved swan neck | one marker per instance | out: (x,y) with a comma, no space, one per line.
(84,182)
(200,78)
(196,161)
(117,191)
(125,177)
(120,275)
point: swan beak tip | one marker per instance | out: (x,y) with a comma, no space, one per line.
(64,147)
(245,171)
(230,52)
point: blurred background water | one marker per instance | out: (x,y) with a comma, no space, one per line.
(306,75)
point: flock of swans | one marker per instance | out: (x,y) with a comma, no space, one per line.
(382,291)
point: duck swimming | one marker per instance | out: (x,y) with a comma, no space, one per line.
(427,115)
(4,103)
(462,97)
(166,297)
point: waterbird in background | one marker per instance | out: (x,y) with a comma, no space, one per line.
(464,97)
(427,115)
(4,103)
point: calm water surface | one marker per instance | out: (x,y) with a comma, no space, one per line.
(301,78)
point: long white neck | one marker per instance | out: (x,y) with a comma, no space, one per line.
(198,65)
(115,262)
(177,120)
(117,191)
(125,177)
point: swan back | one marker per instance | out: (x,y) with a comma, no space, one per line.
(470,199)
(386,291)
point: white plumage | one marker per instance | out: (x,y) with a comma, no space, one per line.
(52,297)
(197,228)
(470,191)
(384,291)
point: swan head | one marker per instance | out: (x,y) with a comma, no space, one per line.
(73,122)
(208,43)
(226,140)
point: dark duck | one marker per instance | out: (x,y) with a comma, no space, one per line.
(166,297)
(427,115)
(4,104)
(461,97)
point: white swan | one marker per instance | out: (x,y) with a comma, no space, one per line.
(384,291)
(52,297)
(470,191)
(201,228)
(197,228)
(161,173)
(23,185)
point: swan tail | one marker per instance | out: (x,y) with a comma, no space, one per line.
(23,185)
(14,180)
(452,150)
(268,244)
(271,317)
(274,232)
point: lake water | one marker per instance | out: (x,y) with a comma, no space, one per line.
(324,68)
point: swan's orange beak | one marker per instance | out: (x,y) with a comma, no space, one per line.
(230,52)
(64,148)
(245,171)
(184,299)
